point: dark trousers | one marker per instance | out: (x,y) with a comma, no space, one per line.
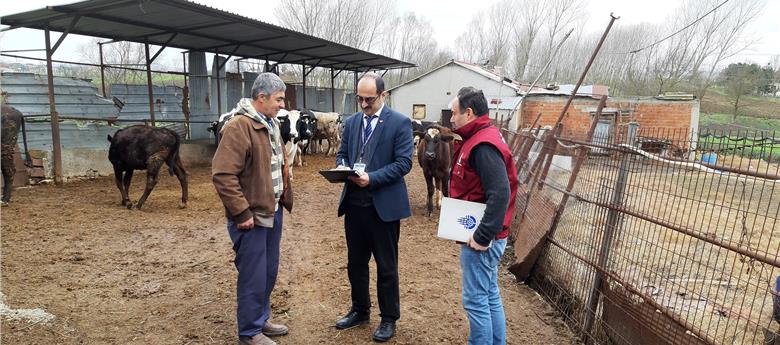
(366,235)
(257,262)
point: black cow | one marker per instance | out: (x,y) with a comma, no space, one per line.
(434,153)
(12,121)
(144,147)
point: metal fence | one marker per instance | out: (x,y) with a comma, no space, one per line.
(657,237)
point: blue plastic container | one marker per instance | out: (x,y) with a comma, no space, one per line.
(709,158)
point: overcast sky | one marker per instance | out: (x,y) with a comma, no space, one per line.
(449,19)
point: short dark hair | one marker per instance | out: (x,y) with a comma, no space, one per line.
(378,81)
(470,97)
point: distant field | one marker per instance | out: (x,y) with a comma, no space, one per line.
(758,113)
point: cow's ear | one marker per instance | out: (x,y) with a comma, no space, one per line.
(418,134)
(447,138)
(109,137)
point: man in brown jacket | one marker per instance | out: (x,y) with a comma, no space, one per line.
(251,177)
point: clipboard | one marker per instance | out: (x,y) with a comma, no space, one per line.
(338,175)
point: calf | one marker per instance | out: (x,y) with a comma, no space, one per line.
(144,147)
(12,121)
(434,153)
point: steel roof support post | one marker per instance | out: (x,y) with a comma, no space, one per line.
(219,81)
(149,84)
(185,101)
(332,91)
(356,81)
(102,69)
(55,117)
(303,69)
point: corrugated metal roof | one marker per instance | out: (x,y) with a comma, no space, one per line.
(186,25)
(595,91)
(474,68)
(490,75)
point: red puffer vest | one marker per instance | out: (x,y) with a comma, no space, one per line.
(464,181)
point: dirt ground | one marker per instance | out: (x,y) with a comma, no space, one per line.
(165,276)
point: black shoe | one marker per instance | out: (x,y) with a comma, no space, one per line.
(385,331)
(352,319)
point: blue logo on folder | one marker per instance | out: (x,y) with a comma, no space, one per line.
(468,222)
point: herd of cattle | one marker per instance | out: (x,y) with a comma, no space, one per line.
(142,147)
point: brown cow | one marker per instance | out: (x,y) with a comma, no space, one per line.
(12,120)
(434,153)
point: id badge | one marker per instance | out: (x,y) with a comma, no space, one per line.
(360,167)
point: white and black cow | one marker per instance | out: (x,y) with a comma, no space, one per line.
(306,126)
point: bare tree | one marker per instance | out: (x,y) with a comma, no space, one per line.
(121,54)
(530,15)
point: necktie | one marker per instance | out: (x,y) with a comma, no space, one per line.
(367,132)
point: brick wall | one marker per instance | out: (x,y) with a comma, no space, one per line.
(661,115)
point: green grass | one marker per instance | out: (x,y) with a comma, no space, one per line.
(722,121)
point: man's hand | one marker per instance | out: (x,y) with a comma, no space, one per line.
(476,246)
(361,180)
(247,224)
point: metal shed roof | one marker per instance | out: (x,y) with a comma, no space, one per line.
(186,25)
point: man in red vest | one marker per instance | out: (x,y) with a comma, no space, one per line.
(482,171)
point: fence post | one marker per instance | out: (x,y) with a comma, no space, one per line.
(614,222)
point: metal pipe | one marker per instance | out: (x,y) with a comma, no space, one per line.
(149,84)
(332,91)
(90,64)
(764,175)
(356,82)
(55,123)
(219,83)
(681,229)
(613,224)
(303,67)
(585,71)
(102,70)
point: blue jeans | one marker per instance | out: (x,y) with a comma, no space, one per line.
(257,262)
(481,298)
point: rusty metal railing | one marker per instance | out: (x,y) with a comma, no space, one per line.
(667,236)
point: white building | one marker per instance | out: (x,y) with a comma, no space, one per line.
(428,96)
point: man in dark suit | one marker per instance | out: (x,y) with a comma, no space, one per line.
(376,142)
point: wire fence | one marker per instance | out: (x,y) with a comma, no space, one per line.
(651,235)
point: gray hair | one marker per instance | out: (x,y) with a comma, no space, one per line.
(267,83)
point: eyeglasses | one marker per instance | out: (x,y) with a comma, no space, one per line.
(369,100)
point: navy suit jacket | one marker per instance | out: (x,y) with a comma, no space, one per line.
(388,158)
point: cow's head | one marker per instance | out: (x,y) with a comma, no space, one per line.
(433,137)
(306,125)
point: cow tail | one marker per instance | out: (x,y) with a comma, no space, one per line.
(174,154)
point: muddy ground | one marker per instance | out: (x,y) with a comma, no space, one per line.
(165,276)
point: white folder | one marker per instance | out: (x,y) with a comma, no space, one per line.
(458,219)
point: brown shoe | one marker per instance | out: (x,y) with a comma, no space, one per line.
(273,329)
(258,339)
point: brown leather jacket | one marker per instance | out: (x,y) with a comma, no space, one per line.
(240,171)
